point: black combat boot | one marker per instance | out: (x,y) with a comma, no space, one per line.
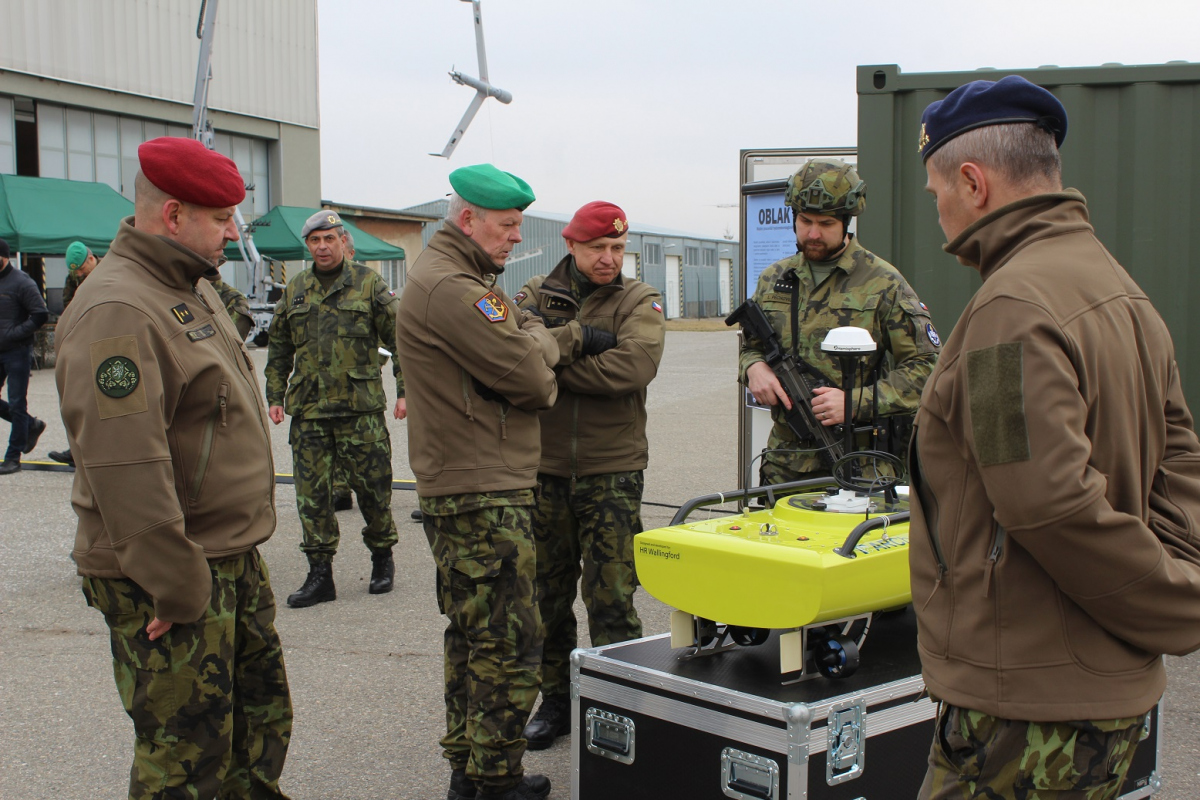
(318,586)
(461,787)
(383,571)
(552,720)
(531,787)
(343,502)
(63,457)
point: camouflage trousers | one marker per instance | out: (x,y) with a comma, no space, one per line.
(212,716)
(362,444)
(975,755)
(341,480)
(493,644)
(592,521)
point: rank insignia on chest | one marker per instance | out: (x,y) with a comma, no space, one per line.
(200,334)
(492,307)
(182,314)
(298,300)
(118,376)
(657,306)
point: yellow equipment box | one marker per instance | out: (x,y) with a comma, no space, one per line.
(777,568)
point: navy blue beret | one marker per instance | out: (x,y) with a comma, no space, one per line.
(980,103)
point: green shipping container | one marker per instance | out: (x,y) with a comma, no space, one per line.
(1132,148)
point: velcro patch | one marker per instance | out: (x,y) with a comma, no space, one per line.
(996,394)
(492,307)
(200,334)
(657,306)
(519,296)
(120,388)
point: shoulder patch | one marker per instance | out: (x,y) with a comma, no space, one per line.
(117,376)
(492,307)
(657,306)
(117,366)
(182,314)
(519,296)
(934,339)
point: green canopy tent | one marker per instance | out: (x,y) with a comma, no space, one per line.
(277,235)
(44,215)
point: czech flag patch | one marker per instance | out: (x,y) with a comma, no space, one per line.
(492,307)
(657,306)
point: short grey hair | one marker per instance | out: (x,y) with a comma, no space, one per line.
(1021,152)
(349,237)
(458,204)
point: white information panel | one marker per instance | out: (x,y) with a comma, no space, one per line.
(769,235)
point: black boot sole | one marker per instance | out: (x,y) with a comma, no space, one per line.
(312,601)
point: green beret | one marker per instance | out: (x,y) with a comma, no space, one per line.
(77,253)
(488,187)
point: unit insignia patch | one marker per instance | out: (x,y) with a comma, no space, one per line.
(492,307)
(117,376)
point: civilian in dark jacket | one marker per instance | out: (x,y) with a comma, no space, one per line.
(22,311)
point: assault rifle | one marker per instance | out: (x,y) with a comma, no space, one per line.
(794,375)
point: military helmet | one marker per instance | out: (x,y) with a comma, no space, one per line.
(827,186)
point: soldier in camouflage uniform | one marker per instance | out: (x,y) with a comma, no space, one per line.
(834,281)
(610,331)
(236,304)
(342,498)
(479,370)
(175,490)
(323,368)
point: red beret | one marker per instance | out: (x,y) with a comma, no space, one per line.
(594,220)
(189,171)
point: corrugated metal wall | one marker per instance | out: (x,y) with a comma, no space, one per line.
(542,247)
(264,52)
(1132,148)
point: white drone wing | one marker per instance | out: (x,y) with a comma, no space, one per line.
(483,89)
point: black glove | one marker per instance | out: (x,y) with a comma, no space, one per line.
(486,393)
(596,341)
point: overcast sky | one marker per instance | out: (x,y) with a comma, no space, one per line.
(646,103)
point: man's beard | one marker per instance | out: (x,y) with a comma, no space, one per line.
(817,251)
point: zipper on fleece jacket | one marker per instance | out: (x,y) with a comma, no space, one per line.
(994,553)
(928,499)
(466,387)
(210,429)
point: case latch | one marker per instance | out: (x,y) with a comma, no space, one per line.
(609,735)
(847,742)
(745,776)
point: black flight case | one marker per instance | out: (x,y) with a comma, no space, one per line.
(649,723)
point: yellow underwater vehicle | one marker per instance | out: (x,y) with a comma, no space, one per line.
(818,560)
(805,565)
